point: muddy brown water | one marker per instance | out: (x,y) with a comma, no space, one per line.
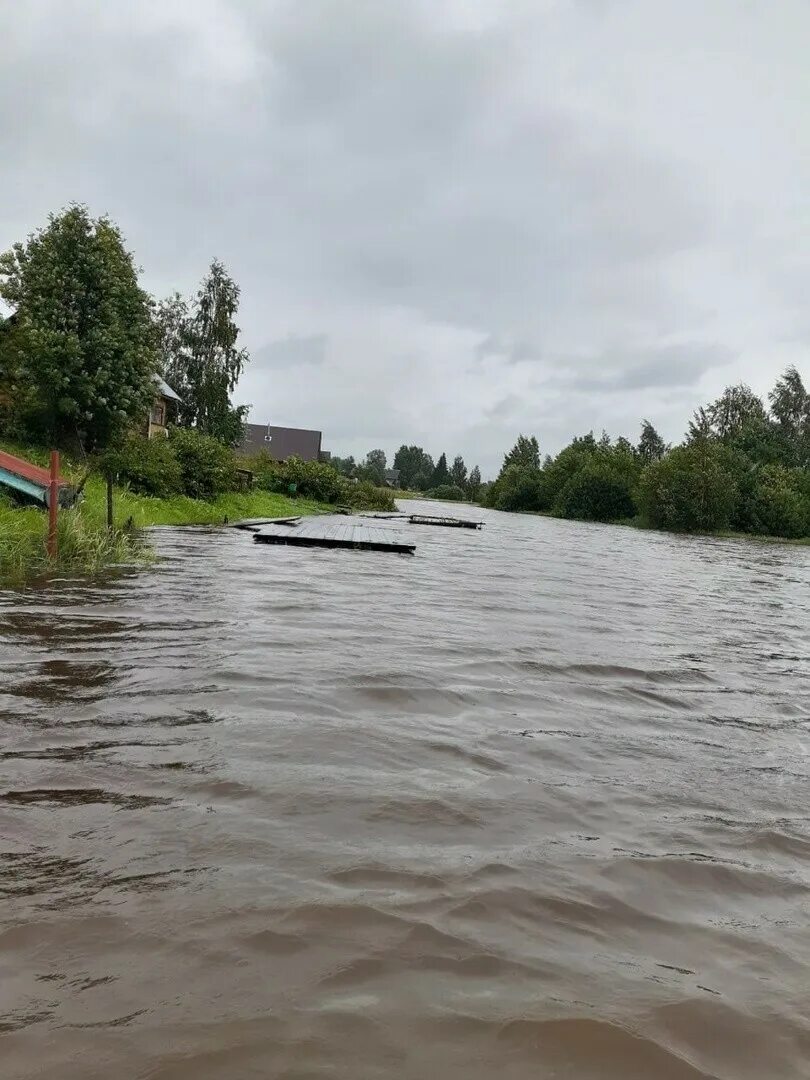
(532,803)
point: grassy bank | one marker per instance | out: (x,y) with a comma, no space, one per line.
(86,546)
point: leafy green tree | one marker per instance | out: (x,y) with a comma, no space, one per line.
(790,407)
(692,489)
(737,408)
(423,479)
(201,359)
(594,481)
(206,465)
(474,483)
(373,468)
(558,471)
(412,461)
(781,502)
(441,474)
(83,340)
(518,487)
(597,492)
(525,452)
(458,473)
(345,466)
(700,427)
(651,447)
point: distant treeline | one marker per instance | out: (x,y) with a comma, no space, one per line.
(416,471)
(742,467)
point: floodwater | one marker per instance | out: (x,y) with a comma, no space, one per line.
(532,803)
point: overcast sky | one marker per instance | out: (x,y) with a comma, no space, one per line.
(452,220)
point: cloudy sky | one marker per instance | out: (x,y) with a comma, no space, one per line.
(451,221)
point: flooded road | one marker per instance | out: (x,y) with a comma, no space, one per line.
(532,803)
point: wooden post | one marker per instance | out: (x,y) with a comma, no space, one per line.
(109,502)
(53,507)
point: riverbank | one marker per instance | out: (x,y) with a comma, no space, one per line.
(638,523)
(86,545)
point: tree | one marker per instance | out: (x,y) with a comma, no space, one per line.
(790,407)
(519,487)
(458,473)
(597,492)
(651,447)
(441,474)
(525,452)
(83,341)
(737,408)
(474,483)
(345,466)
(424,478)
(373,468)
(202,361)
(693,488)
(413,462)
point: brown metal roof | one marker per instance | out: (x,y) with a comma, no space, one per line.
(282,443)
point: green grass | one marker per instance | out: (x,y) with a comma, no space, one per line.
(85,544)
(143,510)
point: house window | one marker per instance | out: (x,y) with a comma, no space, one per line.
(158,414)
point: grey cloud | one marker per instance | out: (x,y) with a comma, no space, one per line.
(666,366)
(462,199)
(292,351)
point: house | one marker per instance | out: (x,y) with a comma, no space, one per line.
(391,478)
(163,409)
(281,443)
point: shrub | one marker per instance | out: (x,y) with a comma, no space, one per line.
(320,481)
(149,466)
(365,496)
(779,506)
(450,492)
(692,489)
(519,487)
(207,467)
(596,493)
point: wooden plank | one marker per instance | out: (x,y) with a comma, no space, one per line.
(321,534)
(251,524)
(446,522)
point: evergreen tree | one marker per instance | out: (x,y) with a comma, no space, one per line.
(525,452)
(474,483)
(441,474)
(458,473)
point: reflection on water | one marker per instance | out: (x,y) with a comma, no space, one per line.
(533,803)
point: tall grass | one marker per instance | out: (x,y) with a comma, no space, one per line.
(82,546)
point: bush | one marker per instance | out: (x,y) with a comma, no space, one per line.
(207,467)
(365,496)
(692,489)
(596,493)
(519,487)
(779,505)
(149,466)
(320,481)
(449,492)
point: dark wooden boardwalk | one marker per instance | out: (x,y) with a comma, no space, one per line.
(446,522)
(332,534)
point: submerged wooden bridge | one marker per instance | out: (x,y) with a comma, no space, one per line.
(331,534)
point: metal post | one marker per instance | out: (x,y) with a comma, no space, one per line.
(109,502)
(53,506)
